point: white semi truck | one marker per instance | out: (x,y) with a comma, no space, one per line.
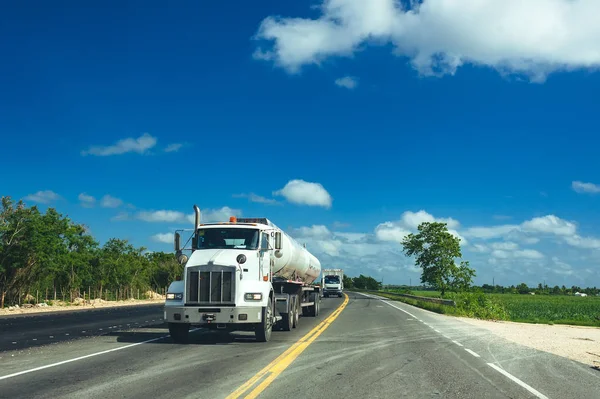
(245,274)
(332,282)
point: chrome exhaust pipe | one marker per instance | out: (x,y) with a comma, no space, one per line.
(197,212)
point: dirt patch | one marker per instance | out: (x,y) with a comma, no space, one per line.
(577,343)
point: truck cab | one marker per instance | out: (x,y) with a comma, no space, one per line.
(333,282)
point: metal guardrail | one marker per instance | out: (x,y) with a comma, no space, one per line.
(440,301)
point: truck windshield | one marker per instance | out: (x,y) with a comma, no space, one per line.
(227,238)
(332,279)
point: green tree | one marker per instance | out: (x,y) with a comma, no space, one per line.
(348,282)
(522,288)
(435,250)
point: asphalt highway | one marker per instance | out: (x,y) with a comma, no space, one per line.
(359,347)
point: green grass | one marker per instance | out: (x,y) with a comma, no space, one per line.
(545,309)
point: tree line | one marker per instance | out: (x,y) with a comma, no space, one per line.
(48,252)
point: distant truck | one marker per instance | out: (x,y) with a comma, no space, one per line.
(245,274)
(332,282)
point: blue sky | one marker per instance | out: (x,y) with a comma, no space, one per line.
(359,120)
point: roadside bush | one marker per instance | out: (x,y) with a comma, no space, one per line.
(478,305)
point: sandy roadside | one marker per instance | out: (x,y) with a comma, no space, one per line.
(94,305)
(577,343)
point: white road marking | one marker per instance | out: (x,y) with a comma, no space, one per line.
(472,353)
(518,381)
(66,333)
(83,332)
(457,343)
(14,343)
(4,377)
(437,331)
(52,336)
(445,336)
(35,339)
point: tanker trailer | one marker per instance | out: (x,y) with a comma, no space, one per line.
(242,275)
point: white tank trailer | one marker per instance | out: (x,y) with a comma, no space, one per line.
(244,274)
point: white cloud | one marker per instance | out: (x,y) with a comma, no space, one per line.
(166,238)
(109,201)
(489,232)
(162,216)
(315,231)
(348,82)
(301,192)
(173,147)
(531,232)
(389,231)
(43,197)
(215,215)
(140,145)
(583,242)
(534,38)
(582,187)
(207,215)
(508,246)
(86,201)
(409,222)
(549,224)
(257,198)
(120,217)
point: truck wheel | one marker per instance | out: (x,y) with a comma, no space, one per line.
(179,332)
(287,321)
(263,330)
(296,311)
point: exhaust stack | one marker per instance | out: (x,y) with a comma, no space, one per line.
(197,222)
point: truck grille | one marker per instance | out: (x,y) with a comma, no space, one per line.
(211,286)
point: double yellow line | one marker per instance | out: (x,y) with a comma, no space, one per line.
(277,366)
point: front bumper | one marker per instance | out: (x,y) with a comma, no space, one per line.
(200,315)
(332,291)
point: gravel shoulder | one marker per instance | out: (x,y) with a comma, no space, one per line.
(581,344)
(95,304)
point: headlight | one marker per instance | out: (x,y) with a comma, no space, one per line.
(253,296)
(174,296)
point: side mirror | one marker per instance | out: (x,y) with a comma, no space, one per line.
(278,240)
(177,242)
(194,242)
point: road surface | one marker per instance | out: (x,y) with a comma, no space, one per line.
(360,347)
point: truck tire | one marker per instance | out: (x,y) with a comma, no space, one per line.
(263,330)
(179,332)
(296,311)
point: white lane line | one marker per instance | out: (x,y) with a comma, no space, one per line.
(437,331)
(518,381)
(472,353)
(52,336)
(4,377)
(396,307)
(457,343)
(445,336)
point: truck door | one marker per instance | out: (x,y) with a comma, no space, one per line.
(264,262)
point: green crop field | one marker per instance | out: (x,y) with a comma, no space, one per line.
(558,309)
(547,309)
